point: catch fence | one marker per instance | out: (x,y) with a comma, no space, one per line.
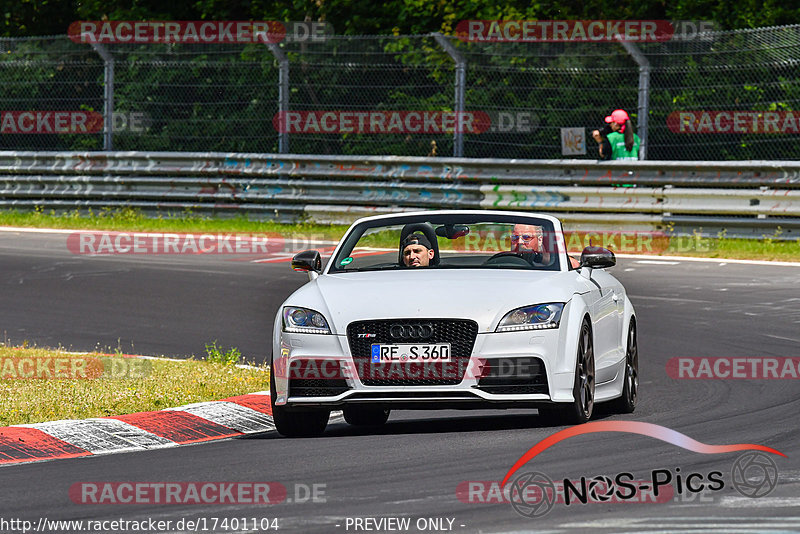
(232,97)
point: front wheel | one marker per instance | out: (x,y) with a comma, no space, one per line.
(296,424)
(580,410)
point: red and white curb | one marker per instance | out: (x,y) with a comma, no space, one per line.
(193,423)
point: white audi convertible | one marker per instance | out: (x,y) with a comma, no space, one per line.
(452,309)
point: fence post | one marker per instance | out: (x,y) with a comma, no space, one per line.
(644,92)
(283,96)
(108,94)
(460,87)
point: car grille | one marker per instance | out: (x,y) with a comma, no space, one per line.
(512,376)
(460,333)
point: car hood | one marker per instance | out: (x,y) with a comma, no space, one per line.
(482,295)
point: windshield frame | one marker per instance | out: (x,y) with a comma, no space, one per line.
(360,227)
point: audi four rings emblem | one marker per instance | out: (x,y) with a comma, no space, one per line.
(411,331)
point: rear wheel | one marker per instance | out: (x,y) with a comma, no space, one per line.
(581,408)
(296,424)
(630,389)
(365,415)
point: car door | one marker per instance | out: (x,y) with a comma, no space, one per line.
(607,313)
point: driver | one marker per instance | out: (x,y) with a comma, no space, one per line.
(529,239)
(417,251)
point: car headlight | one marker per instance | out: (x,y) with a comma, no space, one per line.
(536,317)
(304,321)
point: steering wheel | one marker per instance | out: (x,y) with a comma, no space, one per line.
(519,257)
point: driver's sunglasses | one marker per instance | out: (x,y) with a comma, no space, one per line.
(525,237)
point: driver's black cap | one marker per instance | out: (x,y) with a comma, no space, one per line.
(416,239)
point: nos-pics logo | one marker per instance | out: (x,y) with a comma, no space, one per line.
(533,494)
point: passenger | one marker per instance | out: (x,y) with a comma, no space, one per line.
(529,238)
(417,251)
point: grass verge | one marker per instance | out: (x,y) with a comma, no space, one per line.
(131,220)
(127,219)
(766,249)
(39,385)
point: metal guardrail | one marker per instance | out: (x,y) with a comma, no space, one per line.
(746,198)
(560,171)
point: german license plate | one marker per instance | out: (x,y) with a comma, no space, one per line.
(411,352)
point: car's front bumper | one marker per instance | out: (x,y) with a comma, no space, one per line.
(537,358)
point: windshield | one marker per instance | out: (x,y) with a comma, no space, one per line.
(450,242)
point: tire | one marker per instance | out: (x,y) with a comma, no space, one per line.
(580,410)
(365,415)
(630,390)
(296,424)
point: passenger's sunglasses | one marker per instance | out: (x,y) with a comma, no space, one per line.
(525,237)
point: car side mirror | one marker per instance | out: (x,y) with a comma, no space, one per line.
(597,258)
(307,261)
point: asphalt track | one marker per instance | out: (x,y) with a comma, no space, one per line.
(414,465)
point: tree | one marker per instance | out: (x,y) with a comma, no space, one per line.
(409,17)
